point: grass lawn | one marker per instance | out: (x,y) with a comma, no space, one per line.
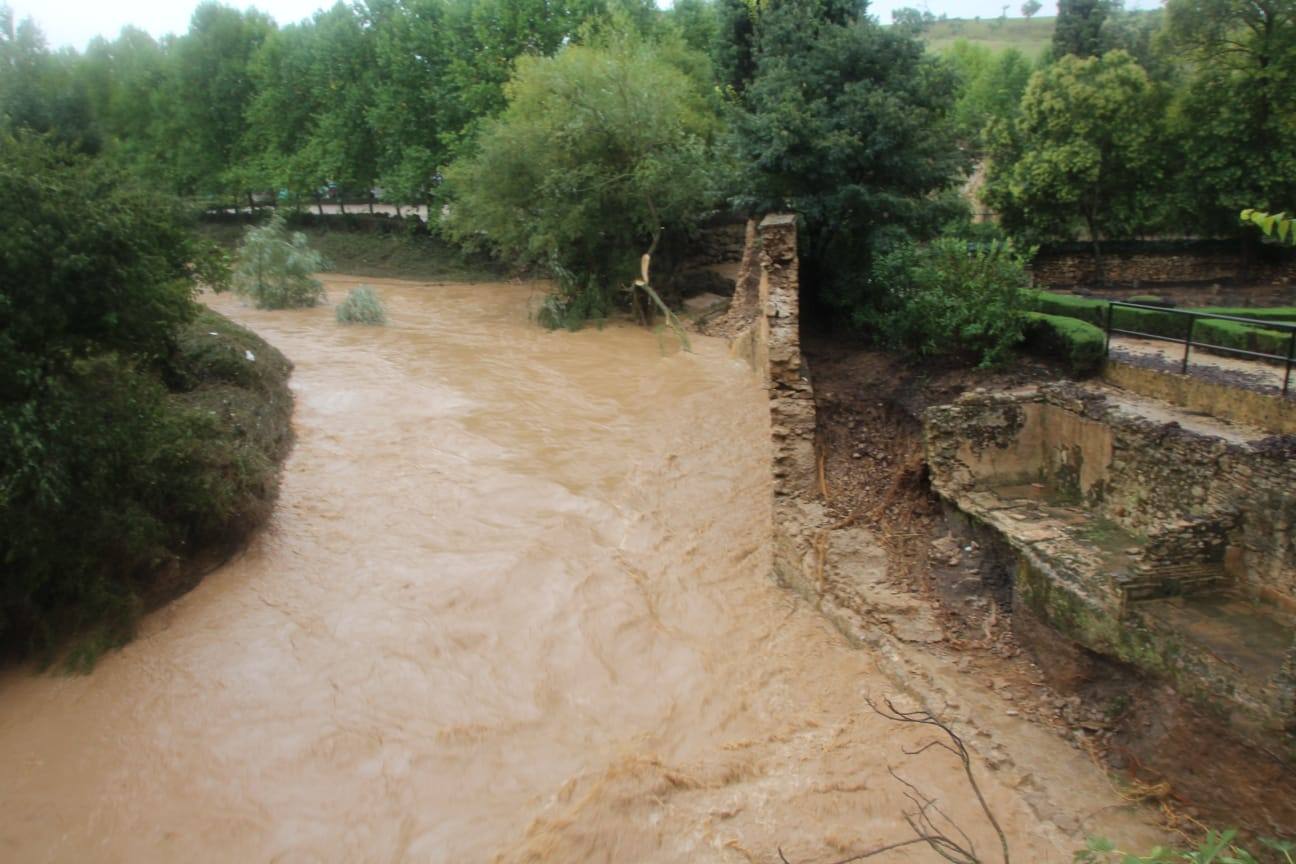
(1031,37)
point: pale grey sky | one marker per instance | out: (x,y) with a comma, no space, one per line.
(75,22)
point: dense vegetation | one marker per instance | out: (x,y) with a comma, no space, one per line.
(134,431)
(575,136)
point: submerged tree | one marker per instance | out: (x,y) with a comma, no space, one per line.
(276,268)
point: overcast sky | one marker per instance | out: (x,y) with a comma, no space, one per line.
(75,22)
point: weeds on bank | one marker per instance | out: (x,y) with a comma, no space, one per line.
(1217,847)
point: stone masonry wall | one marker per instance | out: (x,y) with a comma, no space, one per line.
(1148,269)
(792,408)
(1159,481)
(718,244)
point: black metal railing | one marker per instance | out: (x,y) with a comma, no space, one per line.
(1288,360)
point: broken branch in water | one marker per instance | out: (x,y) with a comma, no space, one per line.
(926,819)
(672,320)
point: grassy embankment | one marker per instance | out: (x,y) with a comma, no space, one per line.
(395,255)
(1032,36)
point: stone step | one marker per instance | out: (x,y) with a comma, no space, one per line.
(1173,580)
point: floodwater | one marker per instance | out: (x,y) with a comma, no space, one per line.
(514,605)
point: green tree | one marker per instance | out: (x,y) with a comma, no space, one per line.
(911,19)
(601,153)
(1079,27)
(126,80)
(210,91)
(412,114)
(1084,152)
(1030,9)
(848,124)
(1234,118)
(734,50)
(276,268)
(991,84)
(281,116)
(38,89)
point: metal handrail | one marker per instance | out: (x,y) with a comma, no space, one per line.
(1290,327)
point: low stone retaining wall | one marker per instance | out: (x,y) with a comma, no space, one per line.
(1269,412)
(1149,265)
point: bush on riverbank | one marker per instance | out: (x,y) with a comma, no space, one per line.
(137,431)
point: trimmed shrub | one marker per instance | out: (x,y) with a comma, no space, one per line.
(1077,344)
(1081,308)
(361,306)
(1275,313)
(1226,334)
(945,298)
(1230,334)
(276,268)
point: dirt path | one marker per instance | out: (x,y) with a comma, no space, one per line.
(514,605)
(1237,371)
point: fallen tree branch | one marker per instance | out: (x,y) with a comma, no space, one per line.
(926,818)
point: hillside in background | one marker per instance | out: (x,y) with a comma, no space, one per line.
(1031,37)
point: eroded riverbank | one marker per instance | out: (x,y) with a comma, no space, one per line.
(514,605)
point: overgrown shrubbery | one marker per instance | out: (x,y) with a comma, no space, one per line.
(276,267)
(950,297)
(361,306)
(130,437)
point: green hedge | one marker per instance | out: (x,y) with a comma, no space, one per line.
(1276,313)
(1223,334)
(1079,344)
(1067,306)
(1230,334)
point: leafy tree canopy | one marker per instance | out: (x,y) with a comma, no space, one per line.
(601,148)
(848,124)
(1082,153)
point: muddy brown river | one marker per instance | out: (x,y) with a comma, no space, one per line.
(514,605)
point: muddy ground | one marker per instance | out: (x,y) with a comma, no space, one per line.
(1157,748)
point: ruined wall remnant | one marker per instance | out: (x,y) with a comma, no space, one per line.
(1165,547)
(766,305)
(792,408)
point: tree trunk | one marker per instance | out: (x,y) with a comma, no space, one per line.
(1244,275)
(398,211)
(371,202)
(319,205)
(1099,270)
(341,205)
(251,203)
